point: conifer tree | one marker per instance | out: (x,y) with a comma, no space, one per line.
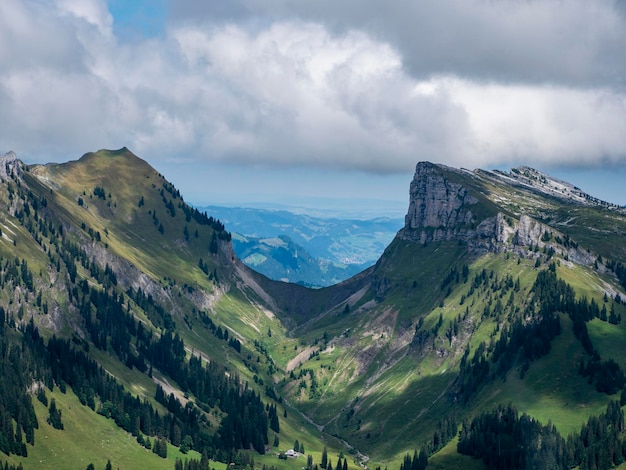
(54,416)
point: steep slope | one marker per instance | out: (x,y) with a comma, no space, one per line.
(113,288)
(115,294)
(464,275)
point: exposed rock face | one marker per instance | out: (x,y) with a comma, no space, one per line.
(443,210)
(435,201)
(7,164)
(529,231)
(447,204)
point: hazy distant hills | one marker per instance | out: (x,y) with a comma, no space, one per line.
(304,249)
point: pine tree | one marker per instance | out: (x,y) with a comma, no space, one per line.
(324,461)
(54,417)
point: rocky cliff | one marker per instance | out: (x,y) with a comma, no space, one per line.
(484,210)
(442,207)
(8,164)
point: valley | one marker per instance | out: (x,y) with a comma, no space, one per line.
(133,311)
(289,245)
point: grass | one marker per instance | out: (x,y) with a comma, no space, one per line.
(402,406)
(551,390)
(448,458)
(90,438)
(379,391)
(135,382)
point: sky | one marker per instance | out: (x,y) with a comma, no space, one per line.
(318,103)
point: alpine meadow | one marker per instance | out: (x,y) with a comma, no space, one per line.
(490,334)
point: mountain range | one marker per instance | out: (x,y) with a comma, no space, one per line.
(304,249)
(489,333)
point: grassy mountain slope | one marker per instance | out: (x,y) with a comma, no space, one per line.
(109,223)
(391,360)
(502,288)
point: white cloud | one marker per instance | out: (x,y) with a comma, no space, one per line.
(565,126)
(299,93)
(94,12)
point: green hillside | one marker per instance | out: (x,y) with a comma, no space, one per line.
(131,310)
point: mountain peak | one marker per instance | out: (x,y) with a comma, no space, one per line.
(7,163)
(447,203)
(538,181)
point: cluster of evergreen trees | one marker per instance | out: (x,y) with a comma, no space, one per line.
(620,271)
(201,218)
(525,341)
(445,431)
(15,402)
(608,375)
(193,464)
(419,461)
(11,467)
(505,440)
(244,426)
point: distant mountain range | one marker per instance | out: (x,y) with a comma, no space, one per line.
(304,249)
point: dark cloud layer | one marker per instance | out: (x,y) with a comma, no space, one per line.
(575,43)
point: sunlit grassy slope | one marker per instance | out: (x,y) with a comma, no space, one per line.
(90,438)
(119,209)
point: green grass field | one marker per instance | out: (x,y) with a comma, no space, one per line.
(90,438)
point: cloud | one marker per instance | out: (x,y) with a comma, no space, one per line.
(543,124)
(286,88)
(577,43)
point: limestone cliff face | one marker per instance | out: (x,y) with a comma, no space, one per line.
(441,210)
(436,202)
(447,204)
(8,164)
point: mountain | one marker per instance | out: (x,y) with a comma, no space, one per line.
(281,259)
(495,311)
(417,339)
(300,248)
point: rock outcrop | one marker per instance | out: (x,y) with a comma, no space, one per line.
(442,209)
(8,163)
(448,204)
(435,201)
